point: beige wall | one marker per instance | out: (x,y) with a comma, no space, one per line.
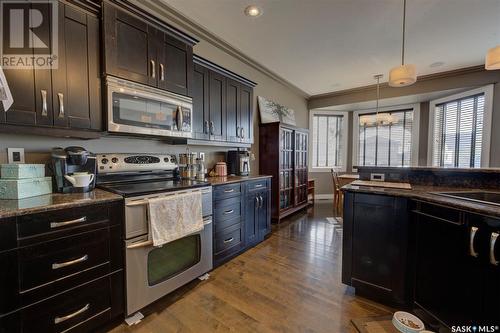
(266,86)
(466,78)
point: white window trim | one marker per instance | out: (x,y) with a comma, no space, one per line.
(488,110)
(345,132)
(415,132)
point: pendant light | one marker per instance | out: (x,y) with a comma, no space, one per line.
(405,74)
(379,117)
(492,59)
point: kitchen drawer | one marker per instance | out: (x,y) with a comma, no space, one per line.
(63,257)
(228,238)
(440,212)
(256,185)
(227,191)
(58,223)
(220,226)
(227,209)
(78,310)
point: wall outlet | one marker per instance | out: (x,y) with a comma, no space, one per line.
(379,177)
(16,155)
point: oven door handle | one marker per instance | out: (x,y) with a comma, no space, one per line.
(140,244)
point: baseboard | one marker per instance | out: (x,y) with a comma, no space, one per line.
(324,196)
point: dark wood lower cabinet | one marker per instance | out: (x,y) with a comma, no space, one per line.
(241,217)
(438,261)
(376,238)
(62,278)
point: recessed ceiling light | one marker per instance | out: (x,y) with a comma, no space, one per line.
(436,64)
(253,11)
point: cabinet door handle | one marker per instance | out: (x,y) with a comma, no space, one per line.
(205,127)
(472,236)
(61,224)
(60,96)
(44,102)
(257,202)
(261,201)
(493,241)
(229,240)
(229,190)
(212,128)
(258,185)
(153,68)
(227,212)
(242,133)
(238,132)
(58,320)
(58,265)
(162,72)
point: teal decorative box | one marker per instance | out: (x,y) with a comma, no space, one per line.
(22,171)
(24,188)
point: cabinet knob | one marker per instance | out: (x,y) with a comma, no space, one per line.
(242,133)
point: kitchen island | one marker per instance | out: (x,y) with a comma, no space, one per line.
(419,250)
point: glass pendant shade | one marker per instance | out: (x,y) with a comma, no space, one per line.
(493,59)
(403,75)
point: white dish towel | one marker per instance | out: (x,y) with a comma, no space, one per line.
(173,217)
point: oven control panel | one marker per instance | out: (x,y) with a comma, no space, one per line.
(110,163)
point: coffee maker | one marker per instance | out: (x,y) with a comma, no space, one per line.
(238,162)
(68,162)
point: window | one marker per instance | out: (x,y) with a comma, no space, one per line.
(328,131)
(386,142)
(458,130)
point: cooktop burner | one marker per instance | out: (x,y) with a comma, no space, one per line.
(129,189)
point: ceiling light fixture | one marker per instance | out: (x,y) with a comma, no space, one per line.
(405,74)
(253,11)
(492,59)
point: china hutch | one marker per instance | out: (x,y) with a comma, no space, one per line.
(283,154)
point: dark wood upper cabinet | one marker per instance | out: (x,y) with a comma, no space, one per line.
(130,50)
(66,96)
(175,66)
(201,117)
(233,106)
(227,103)
(138,51)
(217,106)
(76,82)
(246,114)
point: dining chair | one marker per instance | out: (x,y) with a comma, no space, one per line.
(337,193)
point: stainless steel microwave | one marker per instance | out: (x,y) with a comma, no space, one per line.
(134,108)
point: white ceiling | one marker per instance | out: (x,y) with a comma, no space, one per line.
(322,46)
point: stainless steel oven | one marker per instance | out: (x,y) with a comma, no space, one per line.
(152,272)
(134,108)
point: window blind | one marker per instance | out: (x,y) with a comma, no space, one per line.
(386,144)
(458,132)
(327,141)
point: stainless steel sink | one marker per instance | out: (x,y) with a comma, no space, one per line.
(490,198)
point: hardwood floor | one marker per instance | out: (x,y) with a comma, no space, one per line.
(288,283)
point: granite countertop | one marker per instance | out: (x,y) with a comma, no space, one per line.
(42,203)
(428,193)
(214,181)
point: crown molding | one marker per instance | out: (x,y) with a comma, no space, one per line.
(167,13)
(472,76)
(422,78)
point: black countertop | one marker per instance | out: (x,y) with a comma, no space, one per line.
(427,193)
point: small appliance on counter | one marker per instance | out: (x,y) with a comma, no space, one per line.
(74,170)
(19,181)
(238,162)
